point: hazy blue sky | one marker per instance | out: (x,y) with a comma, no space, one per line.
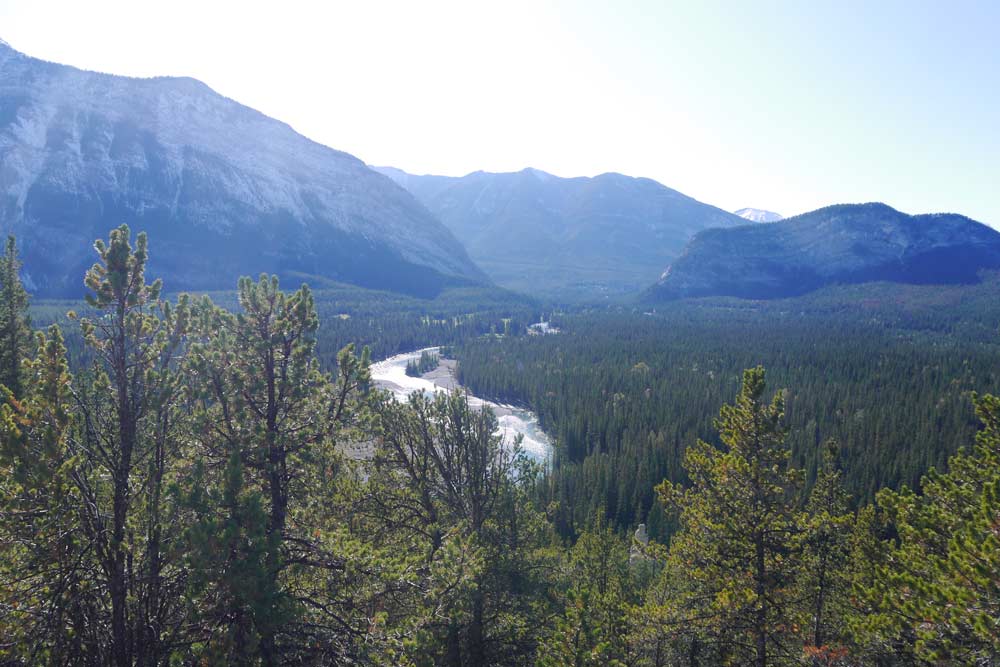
(780,105)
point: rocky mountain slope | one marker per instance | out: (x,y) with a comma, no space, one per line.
(221,189)
(838,244)
(758,215)
(568,237)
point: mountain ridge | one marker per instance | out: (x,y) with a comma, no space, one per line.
(222,189)
(842,243)
(579,237)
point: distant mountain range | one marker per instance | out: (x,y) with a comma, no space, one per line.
(221,189)
(225,191)
(838,244)
(758,215)
(573,237)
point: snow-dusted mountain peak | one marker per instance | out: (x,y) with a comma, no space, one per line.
(759,215)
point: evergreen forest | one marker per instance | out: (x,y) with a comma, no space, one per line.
(215,479)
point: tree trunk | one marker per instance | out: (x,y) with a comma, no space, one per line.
(454,657)
(693,652)
(477,649)
(279,502)
(820,599)
(118,584)
(760,622)
(148,633)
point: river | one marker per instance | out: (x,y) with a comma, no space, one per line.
(390,374)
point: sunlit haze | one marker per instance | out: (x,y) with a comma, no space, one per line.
(784,106)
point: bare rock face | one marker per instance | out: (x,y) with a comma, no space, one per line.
(221,189)
(853,243)
(543,234)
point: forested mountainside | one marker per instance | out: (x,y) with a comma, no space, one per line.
(584,238)
(853,243)
(182,494)
(225,190)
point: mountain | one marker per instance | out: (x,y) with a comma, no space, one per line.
(758,215)
(567,237)
(851,243)
(222,189)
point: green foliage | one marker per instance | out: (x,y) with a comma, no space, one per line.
(825,582)
(129,405)
(738,541)
(237,601)
(224,486)
(390,323)
(15,326)
(427,362)
(265,419)
(624,395)
(596,586)
(871,626)
(447,499)
(46,583)
(941,582)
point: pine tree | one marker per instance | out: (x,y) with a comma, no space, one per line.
(129,443)
(15,327)
(599,590)
(444,486)
(941,583)
(734,556)
(45,584)
(267,418)
(228,555)
(825,577)
(872,626)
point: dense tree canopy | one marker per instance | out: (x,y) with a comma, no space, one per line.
(183,483)
(624,395)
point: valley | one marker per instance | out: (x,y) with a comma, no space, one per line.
(264,404)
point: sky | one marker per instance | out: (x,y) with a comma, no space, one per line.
(787,106)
